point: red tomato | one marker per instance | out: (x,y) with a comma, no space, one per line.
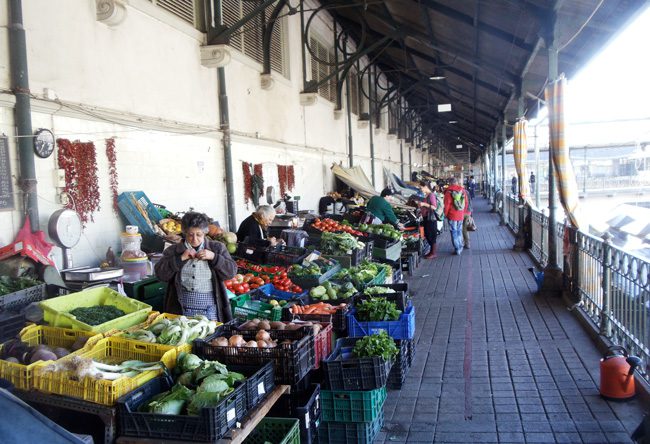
(238,289)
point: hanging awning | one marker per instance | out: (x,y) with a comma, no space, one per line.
(356,179)
(398,185)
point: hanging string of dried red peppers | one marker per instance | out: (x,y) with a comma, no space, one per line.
(291,178)
(79,162)
(282,179)
(248,192)
(112,170)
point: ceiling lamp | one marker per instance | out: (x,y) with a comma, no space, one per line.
(444,107)
(437,78)
(453,121)
(459,146)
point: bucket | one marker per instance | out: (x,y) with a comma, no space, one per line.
(136,270)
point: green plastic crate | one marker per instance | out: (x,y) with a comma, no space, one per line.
(275,431)
(56,310)
(243,307)
(352,406)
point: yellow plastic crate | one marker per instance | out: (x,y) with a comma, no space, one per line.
(111,350)
(179,348)
(56,310)
(20,375)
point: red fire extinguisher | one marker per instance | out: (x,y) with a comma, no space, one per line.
(617,373)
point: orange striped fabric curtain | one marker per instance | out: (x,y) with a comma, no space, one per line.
(520,150)
(566,181)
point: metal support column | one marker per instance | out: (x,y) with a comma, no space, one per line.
(370,111)
(520,240)
(401,160)
(552,273)
(504,206)
(22,110)
(349,113)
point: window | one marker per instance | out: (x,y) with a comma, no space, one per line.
(354,92)
(320,70)
(248,39)
(392,119)
(184,9)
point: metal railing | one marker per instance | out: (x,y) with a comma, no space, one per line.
(610,285)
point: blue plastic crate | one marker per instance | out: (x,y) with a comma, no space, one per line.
(273,293)
(128,203)
(403,328)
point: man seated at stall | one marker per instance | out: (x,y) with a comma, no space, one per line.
(254,229)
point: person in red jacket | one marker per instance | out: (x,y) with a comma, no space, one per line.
(456,206)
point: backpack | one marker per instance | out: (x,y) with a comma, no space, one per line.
(440,207)
(458,198)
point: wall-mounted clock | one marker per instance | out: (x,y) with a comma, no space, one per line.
(43,143)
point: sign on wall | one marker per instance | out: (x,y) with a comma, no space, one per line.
(6,187)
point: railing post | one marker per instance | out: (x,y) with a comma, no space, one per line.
(575,267)
(605,324)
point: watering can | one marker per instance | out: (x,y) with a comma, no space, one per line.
(617,373)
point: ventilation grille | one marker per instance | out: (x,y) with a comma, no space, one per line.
(180,8)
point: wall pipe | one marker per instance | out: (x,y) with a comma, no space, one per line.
(372,142)
(22,111)
(224,124)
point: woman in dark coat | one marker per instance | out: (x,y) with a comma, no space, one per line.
(195,270)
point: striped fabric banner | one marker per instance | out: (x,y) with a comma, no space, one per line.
(566,181)
(520,150)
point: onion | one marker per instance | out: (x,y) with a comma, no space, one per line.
(264,325)
(262,344)
(236,341)
(263,335)
(219,342)
(277,325)
(251,344)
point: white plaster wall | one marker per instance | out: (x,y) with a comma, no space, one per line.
(143,83)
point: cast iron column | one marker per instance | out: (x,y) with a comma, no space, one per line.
(520,240)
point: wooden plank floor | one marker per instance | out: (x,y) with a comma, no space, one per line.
(494,363)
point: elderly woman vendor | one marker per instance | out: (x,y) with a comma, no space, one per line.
(253,229)
(195,270)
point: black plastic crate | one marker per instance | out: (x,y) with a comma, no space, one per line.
(314,280)
(304,405)
(252,253)
(400,297)
(291,362)
(381,241)
(18,300)
(338,320)
(342,371)
(259,381)
(398,275)
(402,364)
(350,432)
(10,325)
(283,255)
(211,425)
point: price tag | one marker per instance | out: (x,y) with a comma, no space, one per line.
(249,251)
(260,388)
(230,415)
(307,420)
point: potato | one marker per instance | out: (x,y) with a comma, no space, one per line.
(251,344)
(264,325)
(263,335)
(220,342)
(236,341)
(248,325)
(262,344)
(255,321)
(293,326)
(277,325)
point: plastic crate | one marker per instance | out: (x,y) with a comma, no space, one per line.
(10,325)
(403,328)
(18,300)
(390,252)
(291,362)
(21,375)
(283,255)
(381,241)
(268,291)
(322,344)
(338,320)
(402,364)
(304,405)
(380,278)
(252,253)
(110,350)
(276,431)
(209,426)
(243,306)
(398,276)
(352,406)
(350,432)
(400,297)
(56,311)
(313,280)
(260,381)
(131,202)
(342,371)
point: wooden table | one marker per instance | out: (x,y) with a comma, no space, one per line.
(235,436)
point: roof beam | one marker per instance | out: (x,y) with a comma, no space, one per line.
(481,26)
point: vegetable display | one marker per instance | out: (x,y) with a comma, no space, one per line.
(379,344)
(377,309)
(320,308)
(11,285)
(241,284)
(177,331)
(264,325)
(20,352)
(97,314)
(385,230)
(315,268)
(361,275)
(268,269)
(329,225)
(339,244)
(89,368)
(378,290)
(329,291)
(199,384)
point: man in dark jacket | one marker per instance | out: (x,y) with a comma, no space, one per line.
(195,270)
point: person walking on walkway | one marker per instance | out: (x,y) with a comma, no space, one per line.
(456,206)
(432,212)
(471,187)
(532,182)
(514,185)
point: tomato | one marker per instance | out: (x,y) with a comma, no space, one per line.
(238,289)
